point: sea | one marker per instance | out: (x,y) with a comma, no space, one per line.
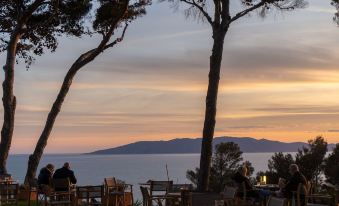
(133,169)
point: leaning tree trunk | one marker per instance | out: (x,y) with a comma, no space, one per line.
(9,102)
(34,159)
(211,108)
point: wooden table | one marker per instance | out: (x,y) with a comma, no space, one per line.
(271,187)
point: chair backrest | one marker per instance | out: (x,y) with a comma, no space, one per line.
(146,199)
(9,192)
(204,199)
(62,184)
(241,190)
(275,201)
(160,186)
(230,192)
(88,193)
(179,187)
(302,192)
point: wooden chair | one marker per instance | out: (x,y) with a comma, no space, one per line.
(148,200)
(89,195)
(242,197)
(180,187)
(204,199)
(62,193)
(275,201)
(9,194)
(160,186)
(118,192)
(62,184)
(302,197)
(229,195)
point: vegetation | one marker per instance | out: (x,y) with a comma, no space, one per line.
(310,158)
(311,161)
(277,167)
(331,168)
(227,158)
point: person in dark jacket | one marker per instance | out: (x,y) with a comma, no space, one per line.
(45,175)
(241,179)
(293,183)
(65,172)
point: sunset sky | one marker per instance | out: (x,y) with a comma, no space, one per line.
(280,81)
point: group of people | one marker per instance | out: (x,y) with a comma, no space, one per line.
(47,174)
(286,188)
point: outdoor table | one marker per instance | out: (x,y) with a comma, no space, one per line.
(271,187)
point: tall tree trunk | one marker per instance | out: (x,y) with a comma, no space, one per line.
(9,102)
(34,159)
(211,108)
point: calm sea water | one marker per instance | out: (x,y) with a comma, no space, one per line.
(133,169)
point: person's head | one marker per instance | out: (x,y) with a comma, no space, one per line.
(293,168)
(50,167)
(243,170)
(67,165)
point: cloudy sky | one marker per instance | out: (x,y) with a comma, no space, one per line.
(280,81)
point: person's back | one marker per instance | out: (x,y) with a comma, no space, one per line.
(45,175)
(65,172)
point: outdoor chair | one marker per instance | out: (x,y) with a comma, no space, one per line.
(90,195)
(60,198)
(302,197)
(158,200)
(9,194)
(229,195)
(242,197)
(160,186)
(275,201)
(61,194)
(204,199)
(180,187)
(118,192)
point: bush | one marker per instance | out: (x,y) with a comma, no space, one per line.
(331,168)
(227,158)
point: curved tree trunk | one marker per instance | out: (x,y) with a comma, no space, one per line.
(211,108)
(34,159)
(9,102)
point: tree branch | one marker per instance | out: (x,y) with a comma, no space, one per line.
(117,40)
(246,11)
(201,9)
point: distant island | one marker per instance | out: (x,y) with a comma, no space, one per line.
(192,146)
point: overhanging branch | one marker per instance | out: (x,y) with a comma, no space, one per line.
(201,9)
(246,11)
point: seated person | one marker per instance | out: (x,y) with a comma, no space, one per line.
(293,183)
(240,177)
(65,172)
(45,175)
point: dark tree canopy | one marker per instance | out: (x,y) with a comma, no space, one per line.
(310,158)
(278,166)
(331,168)
(335,3)
(50,19)
(227,158)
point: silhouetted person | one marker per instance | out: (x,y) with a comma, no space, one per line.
(45,175)
(293,183)
(65,172)
(242,180)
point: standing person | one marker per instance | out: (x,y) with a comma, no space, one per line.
(45,175)
(65,172)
